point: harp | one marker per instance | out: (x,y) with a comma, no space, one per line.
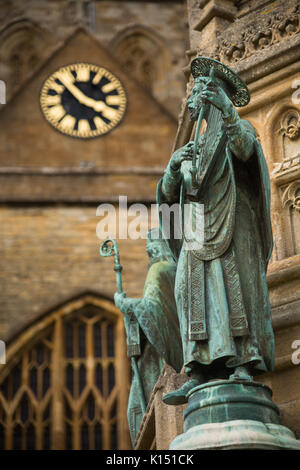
(212,140)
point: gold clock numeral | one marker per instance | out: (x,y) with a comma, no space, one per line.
(110,113)
(67,123)
(51,100)
(108,87)
(56,87)
(65,76)
(100,124)
(113,100)
(83,74)
(57,112)
(83,126)
(97,78)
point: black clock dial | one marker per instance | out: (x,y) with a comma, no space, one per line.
(83,100)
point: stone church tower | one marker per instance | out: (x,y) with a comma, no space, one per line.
(66,378)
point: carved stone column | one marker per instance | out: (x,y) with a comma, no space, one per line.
(208,18)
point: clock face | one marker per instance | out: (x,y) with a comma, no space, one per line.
(83,100)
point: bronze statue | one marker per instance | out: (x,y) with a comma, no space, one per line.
(220,288)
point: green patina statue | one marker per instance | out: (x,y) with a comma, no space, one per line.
(152,328)
(220,287)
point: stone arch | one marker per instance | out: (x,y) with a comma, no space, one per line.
(283,142)
(23,45)
(66,379)
(146,56)
(277,123)
(289,132)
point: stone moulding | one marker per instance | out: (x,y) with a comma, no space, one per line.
(257,44)
(287,170)
(246,37)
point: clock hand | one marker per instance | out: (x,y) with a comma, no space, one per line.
(98,106)
(107,112)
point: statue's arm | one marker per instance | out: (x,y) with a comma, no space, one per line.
(172,176)
(171,183)
(241,135)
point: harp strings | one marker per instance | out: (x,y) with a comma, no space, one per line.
(207,140)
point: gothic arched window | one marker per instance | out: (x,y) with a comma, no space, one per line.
(144,55)
(66,386)
(140,56)
(22,47)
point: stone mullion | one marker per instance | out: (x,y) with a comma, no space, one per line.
(122,374)
(90,361)
(57,381)
(9,429)
(90,375)
(76,427)
(38,425)
(105,410)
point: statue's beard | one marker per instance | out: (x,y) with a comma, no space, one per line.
(194,112)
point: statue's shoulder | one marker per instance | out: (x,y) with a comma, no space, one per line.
(160,269)
(247,126)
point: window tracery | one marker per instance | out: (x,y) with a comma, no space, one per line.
(66,388)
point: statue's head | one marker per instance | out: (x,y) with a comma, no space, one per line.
(154,245)
(194,102)
(224,77)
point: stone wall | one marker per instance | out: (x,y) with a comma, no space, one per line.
(50,254)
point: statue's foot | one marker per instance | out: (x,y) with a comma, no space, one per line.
(179,397)
(241,373)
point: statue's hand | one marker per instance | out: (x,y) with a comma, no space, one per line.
(182,154)
(126,305)
(215,95)
(119,299)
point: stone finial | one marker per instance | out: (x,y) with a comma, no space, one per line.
(219,9)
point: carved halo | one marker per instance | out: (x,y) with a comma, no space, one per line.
(201,66)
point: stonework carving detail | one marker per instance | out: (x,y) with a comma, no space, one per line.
(290,198)
(286,175)
(260,33)
(288,164)
(290,126)
(289,142)
(291,195)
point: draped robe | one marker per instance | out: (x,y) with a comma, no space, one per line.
(160,338)
(220,289)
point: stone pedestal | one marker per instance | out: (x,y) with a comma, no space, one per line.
(233,414)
